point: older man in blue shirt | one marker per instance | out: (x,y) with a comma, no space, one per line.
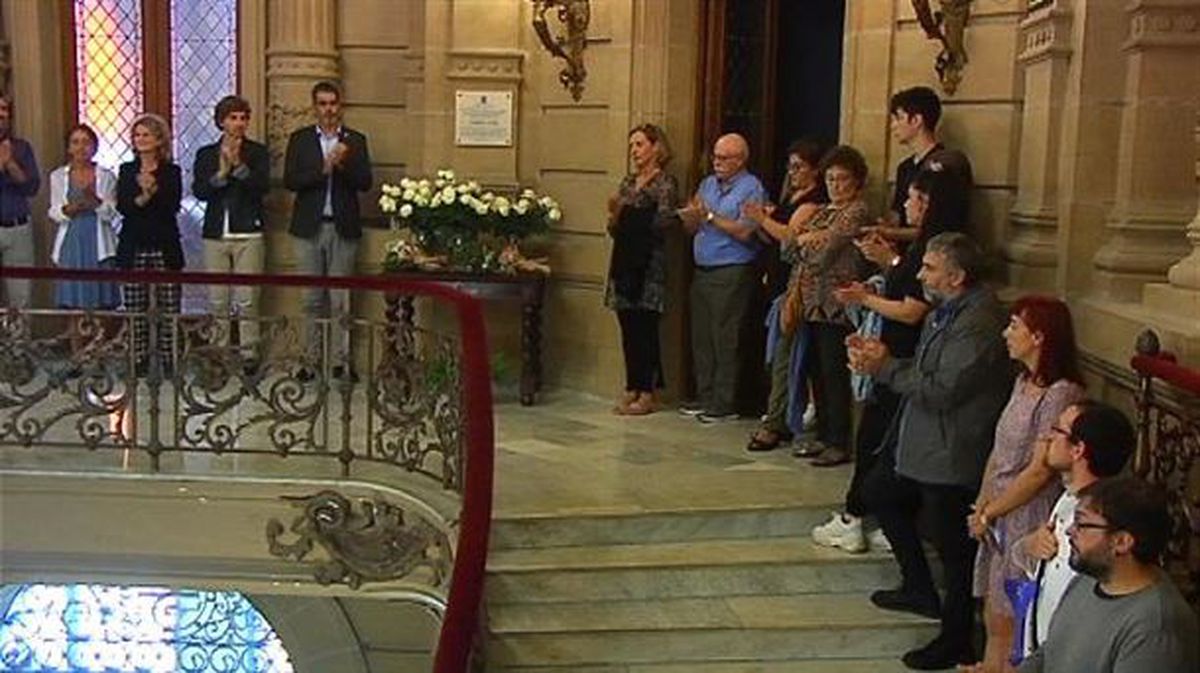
(19,180)
(724,248)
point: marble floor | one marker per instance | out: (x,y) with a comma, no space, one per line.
(571,455)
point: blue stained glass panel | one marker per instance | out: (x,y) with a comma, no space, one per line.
(76,628)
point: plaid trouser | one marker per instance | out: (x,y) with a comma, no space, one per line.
(137,300)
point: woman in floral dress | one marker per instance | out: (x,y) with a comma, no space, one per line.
(638,215)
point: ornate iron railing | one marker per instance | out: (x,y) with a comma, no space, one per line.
(422,404)
(1168,417)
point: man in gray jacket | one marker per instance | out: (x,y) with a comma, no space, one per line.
(953,391)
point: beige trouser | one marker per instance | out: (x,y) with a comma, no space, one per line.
(236,255)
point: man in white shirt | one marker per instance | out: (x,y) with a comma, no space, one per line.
(1089,441)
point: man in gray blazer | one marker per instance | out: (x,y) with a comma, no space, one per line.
(953,392)
(327,165)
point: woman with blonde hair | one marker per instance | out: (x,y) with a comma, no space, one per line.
(638,215)
(149,189)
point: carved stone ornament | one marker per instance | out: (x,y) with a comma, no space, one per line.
(575,15)
(365,540)
(946,25)
(282,120)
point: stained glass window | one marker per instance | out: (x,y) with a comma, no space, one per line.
(75,628)
(112,41)
(203,70)
(108,69)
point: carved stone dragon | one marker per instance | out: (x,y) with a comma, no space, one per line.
(366,540)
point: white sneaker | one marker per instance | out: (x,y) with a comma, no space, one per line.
(842,531)
(877,541)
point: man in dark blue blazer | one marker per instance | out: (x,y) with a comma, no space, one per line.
(327,165)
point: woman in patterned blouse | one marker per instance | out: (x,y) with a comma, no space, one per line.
(826,259)
(640,211)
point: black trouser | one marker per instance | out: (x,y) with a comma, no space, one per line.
(895,500)
(831,382)
(872,427)
(639,339)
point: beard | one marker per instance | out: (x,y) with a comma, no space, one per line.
(1098,568)
(932,297)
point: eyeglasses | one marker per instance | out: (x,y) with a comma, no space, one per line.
(1085,526)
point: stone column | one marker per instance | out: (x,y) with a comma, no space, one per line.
(1156,172)
(1046,57)
(301,51)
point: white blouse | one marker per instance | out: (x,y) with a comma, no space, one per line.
(106,213)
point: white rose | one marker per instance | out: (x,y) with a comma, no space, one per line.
(488,197)
(421,201)
(424,191)
(450,174)
(502,201)
(473,186)
(406,183)
(449,195)
(502,208)
(387,204)
(465,200)
(436,200)
(528,194)
(409,194)
(555,214)
(481,208)
(406,210)
(423,184)
(522,207)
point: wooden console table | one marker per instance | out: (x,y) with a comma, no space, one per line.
(529,288)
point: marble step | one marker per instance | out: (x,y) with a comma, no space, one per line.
(731,629)
(577,529)
(713,568)
(882,665)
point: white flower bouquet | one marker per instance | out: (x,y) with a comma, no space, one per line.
(460,222)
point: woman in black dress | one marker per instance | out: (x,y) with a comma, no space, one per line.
(149,189)
(638,214)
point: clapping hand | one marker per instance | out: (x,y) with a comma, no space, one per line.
(757,211)
(692,214)
(6,153)
(866,355)
(231,155)
(854,293)
(1042,544)
(876,248)
(147,182)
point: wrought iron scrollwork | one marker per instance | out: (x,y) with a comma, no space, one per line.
(365,540)
(1169,455)
(81,380)
(227,392)
(575,15)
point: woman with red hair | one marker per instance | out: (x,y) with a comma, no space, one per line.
(1019,488)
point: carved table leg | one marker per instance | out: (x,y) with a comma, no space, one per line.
(531,340)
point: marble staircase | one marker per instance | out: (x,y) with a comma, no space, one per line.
(738,590)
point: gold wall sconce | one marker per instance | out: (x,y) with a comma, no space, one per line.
(947,26)
(574,15)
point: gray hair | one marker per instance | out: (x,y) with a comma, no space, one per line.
(961,251)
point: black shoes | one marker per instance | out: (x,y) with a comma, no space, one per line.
(940,654)
(757,443)
(903,600)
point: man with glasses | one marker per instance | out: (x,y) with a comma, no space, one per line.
(19,181)
(724,248)
(1088,442)
(1124,615)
